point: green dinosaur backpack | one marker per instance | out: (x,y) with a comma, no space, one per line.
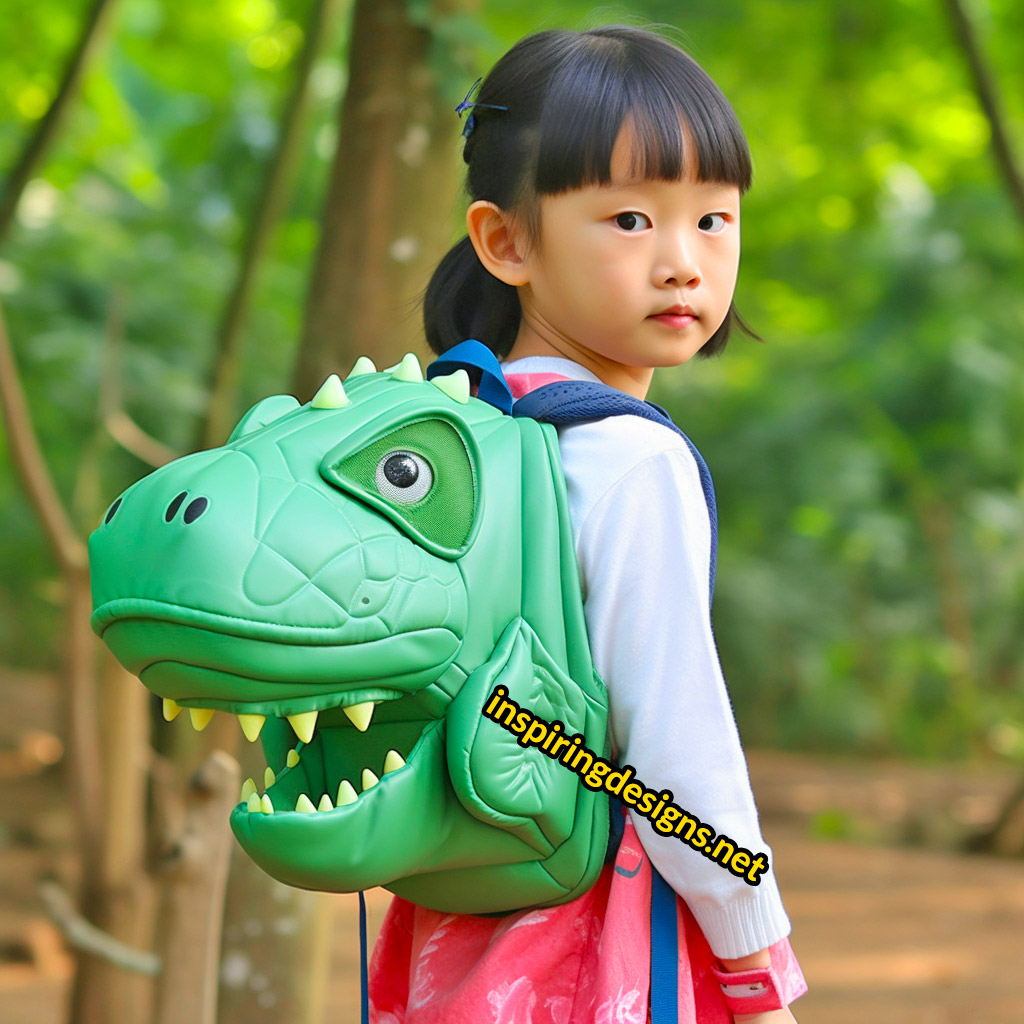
(356,578)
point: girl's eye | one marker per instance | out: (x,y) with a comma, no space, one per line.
(708,216)
(630,219)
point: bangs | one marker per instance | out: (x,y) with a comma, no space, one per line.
(602,86)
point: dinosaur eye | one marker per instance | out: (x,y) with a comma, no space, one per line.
(403,476)
(399,474)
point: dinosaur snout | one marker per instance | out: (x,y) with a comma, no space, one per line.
(193,510)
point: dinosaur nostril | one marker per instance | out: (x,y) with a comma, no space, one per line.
(113,509)
(195,509)
(172,509)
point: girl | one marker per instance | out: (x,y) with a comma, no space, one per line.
(605,174)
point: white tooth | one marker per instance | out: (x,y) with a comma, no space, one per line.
(304,805)
(253,803)
(368,779)
(393,761)
(293,758)
(346,794)
(171,709)
(269,778)
(325,804)
(200,717)
(251,725)
(265,805)
(360,714)
(303,724)
(249,786)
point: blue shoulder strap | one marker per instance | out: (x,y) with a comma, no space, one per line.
(571,401)
(481,364)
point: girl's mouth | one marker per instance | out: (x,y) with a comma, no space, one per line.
(672,320)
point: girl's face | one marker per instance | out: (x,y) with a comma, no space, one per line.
(612,257)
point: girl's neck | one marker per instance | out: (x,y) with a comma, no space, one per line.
(634,380)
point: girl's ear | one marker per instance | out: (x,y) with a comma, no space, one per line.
(494,238)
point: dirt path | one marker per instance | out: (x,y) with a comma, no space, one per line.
(884,933)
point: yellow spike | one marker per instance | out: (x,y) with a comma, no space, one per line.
(292,759)
(268,777)
(408,369)
(331,394)
(200,717)
(171,709)
(248,788)
(368,779)
(346,794)
(325,804)
(253,803)
(454,385)
(251,725)
(266,806)
(304,805)
(364,364)
(393,761)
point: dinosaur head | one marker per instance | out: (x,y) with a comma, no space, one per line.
(333,575)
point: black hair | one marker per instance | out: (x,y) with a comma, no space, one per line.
(568,93)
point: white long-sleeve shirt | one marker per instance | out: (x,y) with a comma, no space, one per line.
(643,540)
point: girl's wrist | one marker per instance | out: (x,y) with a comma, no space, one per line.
(762,958)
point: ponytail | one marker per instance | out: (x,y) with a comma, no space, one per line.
(464,300)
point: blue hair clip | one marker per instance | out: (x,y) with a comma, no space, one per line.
(465,105)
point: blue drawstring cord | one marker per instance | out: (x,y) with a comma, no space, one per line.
(364,1006)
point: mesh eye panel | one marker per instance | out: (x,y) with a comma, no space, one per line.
(445,513)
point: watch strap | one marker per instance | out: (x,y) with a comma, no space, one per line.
(755,991)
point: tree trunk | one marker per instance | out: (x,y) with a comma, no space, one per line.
(393,185)
(221,412)
(196,867)
(276,946)
(127,893)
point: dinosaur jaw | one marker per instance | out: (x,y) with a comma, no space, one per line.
(306,847)
(362,721)
(341,784)
(341,752)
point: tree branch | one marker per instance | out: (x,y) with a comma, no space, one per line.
(94,30)
(27,457)
(85,936)
(963,32)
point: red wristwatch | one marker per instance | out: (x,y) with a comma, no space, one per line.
(755,991)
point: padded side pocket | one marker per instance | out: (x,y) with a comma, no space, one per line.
(499,780)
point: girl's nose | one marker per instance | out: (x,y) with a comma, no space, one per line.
(680,265)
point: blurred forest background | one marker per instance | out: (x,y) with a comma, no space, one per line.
(204,203)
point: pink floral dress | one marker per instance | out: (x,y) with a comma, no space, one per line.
(587,961)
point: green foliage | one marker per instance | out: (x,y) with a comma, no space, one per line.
(831,824)
(867,459)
